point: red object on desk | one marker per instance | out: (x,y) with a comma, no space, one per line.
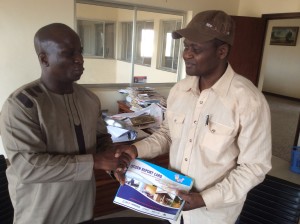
(123,106)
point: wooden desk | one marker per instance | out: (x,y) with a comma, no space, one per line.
(106,187)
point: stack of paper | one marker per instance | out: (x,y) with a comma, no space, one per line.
(140,97)
(121,135)
(149,117)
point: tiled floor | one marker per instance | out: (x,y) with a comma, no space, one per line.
(281,170)
(284,118)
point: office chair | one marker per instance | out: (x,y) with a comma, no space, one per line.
(274,201)
(6,208)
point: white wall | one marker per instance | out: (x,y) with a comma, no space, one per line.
(256,8)
(18,23)
(280,69)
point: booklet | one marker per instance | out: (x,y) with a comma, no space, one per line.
(151,190)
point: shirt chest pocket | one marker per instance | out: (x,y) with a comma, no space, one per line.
(175,122)
(218,136)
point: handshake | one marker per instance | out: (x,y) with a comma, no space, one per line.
(116,160)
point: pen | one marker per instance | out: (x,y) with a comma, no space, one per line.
(207,120)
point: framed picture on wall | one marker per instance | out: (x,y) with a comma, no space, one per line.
(284,35)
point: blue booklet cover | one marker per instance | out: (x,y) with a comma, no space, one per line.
(151,189)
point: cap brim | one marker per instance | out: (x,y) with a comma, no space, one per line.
(176,35)
(192,35)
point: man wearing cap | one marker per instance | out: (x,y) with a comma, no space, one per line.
(217,126)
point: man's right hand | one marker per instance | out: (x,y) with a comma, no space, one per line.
(106,160)
(131,151)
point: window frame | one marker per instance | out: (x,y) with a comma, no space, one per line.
(124,51)
(104,23)
(162,48)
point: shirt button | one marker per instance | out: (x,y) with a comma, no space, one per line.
(195,122)
(190,140)
(201,102)
(186,159)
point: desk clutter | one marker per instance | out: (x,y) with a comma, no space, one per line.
(147,108)
(141,97)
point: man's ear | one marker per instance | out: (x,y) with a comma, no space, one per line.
(43,59)
(223,51)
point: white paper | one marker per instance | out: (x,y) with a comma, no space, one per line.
(121,135)
(116,132)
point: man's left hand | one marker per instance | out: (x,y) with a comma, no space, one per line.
(192,200)
(130,151)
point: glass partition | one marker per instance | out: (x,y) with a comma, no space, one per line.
(128,44)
